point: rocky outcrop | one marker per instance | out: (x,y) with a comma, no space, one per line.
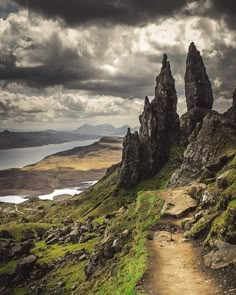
(144,154)
(75,232)
(206,146)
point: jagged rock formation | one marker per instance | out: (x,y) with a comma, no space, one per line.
(145,153)
(130,159)
(208,141)
(198,90)
(207,144)
(206,133)
(197,84)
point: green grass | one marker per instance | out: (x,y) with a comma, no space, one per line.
(121,274)
(8,267)
(19,291)
(130,265)
(71,273)
(50,253)
(17,230)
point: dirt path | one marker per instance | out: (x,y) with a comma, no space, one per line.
(175,265)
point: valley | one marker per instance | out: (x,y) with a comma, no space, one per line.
(66,169)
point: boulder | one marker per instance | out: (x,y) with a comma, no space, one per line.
(21,249)
(177,202)
(207,199)
(73,236)
(196,190)
(51,239)
(224,255)
(25,266)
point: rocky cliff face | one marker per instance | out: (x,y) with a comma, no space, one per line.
(198,91)
(204,152)
(131,160)
(145,153)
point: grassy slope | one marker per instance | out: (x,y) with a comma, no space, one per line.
(120,275)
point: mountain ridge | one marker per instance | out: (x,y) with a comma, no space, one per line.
(102,129)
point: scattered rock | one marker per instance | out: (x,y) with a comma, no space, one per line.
(68,220)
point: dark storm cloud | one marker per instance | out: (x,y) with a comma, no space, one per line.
(50,74)
(57,64)
(216,9)
(227,8)
(115,11)
(222,67)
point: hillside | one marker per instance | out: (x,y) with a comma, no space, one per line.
(162,221)
(62,170)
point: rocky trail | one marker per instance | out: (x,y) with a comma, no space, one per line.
(175,263)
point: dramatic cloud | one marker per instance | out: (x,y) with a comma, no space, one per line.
(227,9)
(57,106)
(106,11)
(51,72)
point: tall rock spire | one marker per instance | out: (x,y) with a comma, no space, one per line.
(199,95)
(198,88)
(165,83)
(145,154)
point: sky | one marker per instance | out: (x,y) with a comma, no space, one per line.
(68,62)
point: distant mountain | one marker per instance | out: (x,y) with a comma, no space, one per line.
(103,129)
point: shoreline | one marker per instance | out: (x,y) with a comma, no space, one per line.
(66,169)
(57,193)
